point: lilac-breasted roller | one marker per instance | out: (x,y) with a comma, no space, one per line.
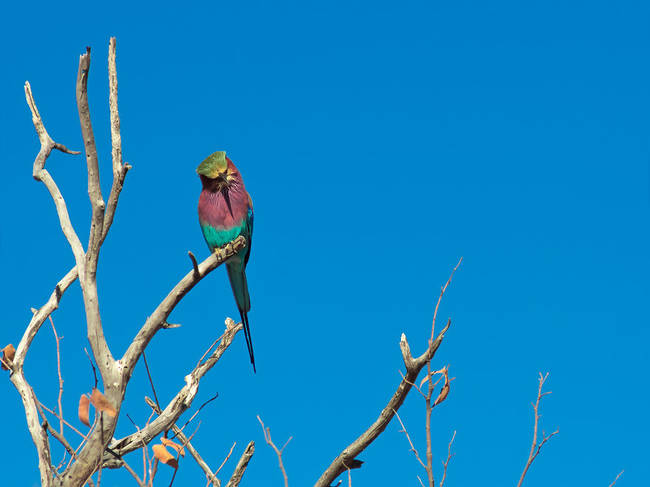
(226,212)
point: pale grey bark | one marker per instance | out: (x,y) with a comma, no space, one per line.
(115,374)
(413,368)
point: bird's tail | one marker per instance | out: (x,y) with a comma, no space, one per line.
(239,286)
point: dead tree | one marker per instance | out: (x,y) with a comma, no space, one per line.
(94,453)
(99,449)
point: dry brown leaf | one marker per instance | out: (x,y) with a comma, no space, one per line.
(162,454)
(101,403)
(431,374)
(8,354)
(84,409)
(444,392)
(175,446)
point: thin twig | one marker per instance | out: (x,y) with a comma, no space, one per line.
(46,424)
(146,366)
(442,292)
(178,454)
(181,436)
(144,447)
(240,469)
(195,265)
(617,477)
(429,408)
(224,460)
(208,350)
(183,399)
(92,365)
(199,410)
(535,447)
(40,404)
(156,320)
(58,368)
(133,474)
(446,463)
(403,430)
(413,368)
(278,451)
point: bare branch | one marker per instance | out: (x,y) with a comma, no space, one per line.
(442,292)
(92,365)
(133,474)
(428,411)
(153,389)
(186,443)
(60,418)
(535,447)
(617,477)
(413,368)
(46,424)
(199,410)
(101,352)
(217,483)
(119,169)
(446,463)
(240,469)
(27,395)
(408,437)
(278,451)
(58,368)
(159,316)
(116,138)
(94,188)
(194,263)
(41,315)
(180,403)
(38,434)
(41,174)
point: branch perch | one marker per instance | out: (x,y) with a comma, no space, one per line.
(413,368)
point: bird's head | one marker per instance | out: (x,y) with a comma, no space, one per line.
(216,169)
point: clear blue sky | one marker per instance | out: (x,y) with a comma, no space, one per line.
(380,142)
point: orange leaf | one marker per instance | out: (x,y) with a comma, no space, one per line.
(84,408)
(175,446)
(101,403)
(8,354)
(162,454)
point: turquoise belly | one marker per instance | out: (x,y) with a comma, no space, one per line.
(216,238)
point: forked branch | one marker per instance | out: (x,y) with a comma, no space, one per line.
(413,368)
(536,447)
(115,374)
(278,451)
(179,404)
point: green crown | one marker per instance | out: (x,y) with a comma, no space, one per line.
(214,164)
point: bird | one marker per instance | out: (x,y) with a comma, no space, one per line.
(225,213)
